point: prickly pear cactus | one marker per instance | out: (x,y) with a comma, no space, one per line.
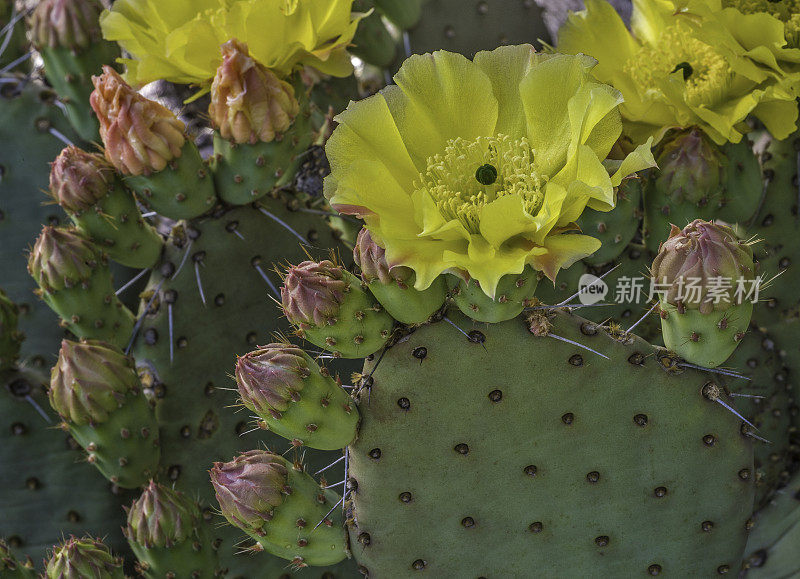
(210,298)
(483,428)
(604,436)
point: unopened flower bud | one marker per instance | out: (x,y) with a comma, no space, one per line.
(700,266)
(249,487)
(140,136)
(249,103)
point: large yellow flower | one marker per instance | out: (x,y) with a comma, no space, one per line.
(481,166)
(179,40)
(691,62)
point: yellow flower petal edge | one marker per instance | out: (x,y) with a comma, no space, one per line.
(706,63)
(180,40)
(481,166)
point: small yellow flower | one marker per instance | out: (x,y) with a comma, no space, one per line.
(481,166)
(180,40)
(692,62)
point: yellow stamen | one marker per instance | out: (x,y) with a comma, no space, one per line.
(710,76)
(450,178)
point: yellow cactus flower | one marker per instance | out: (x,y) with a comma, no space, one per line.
(691,63)
(180,40)
(481,166)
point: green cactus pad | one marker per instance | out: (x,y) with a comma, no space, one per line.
(94,311)
(373,43)
(184,189)
(245,173)
(612,467)
(116,225)
(166,533)
(403,13)
(772,545)
(10,337)
(304,405)
(361,326)
(766,400)
(407,304)
(736,200)
(514,293)
(48,490)
(27,113)
(704,339)
(468,26)
(191,379)
(125,447)
(70,72)
(616,228)
(11,567)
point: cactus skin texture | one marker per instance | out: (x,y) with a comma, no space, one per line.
(67,35)
(772,544)
(514,293)
(10,337)
(96,391)
(278,505)
(230,251)
(704,326)
(75,281)
(330,309)
(617,228)
(601,491)
(87,188)
(83,558)
(166,533)
(295,398)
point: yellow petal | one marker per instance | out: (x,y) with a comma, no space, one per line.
(367,131)
(506,67)
(562,251)
(438,97)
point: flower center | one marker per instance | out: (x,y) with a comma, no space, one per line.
(705,71)
(470,174)
(787,11)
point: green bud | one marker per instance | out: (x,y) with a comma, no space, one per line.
(90,381)
(161,517)
(82,559)
(63,258)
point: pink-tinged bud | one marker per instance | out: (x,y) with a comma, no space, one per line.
(249,487)
(371,258)
(90,381)
(312,293)
(269,377)
(72,24)
(703,255)
(691,167)
(140,136)
(161,517)
(79,179)
(62,258)
(248,102)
